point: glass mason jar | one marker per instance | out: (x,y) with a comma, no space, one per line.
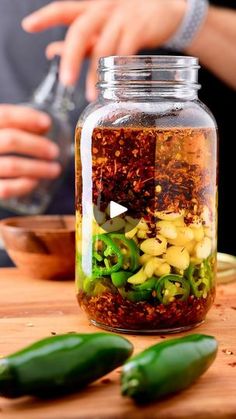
(146,197)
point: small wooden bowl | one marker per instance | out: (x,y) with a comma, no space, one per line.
(41,246)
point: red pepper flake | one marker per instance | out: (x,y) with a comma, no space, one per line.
(147,157)
(147,180)
(135,153)
(227,352)
(144,314)
(232,364)
(233,308)
(106,381)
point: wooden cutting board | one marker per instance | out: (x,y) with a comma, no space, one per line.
(32,309)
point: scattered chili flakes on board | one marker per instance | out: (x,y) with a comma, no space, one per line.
(232,364)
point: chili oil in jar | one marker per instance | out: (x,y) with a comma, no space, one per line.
(146,197)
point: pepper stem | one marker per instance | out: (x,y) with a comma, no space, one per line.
(129,388)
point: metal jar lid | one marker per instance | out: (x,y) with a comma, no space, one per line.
(226,268)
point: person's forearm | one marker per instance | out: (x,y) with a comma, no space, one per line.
(215,44)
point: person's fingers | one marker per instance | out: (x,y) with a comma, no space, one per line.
(55,48)
(22,117)
(85,18)
(13,188)
(13,167)
(21,142)
(56,13)
(106,45)
(130,42)
(77,41)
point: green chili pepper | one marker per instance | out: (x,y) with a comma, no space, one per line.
(60,364)
(129,249)
(112,252)
(208,270)
(119,278)
(135,296)
(168,367)
(170,287)
(88,285)
(107,256)
(140,292)
(199,278)
(97,286)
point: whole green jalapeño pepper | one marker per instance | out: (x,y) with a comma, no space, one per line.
(171,287)
(61,364)
(168,367)
(107,256)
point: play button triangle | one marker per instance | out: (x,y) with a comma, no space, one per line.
(116,209)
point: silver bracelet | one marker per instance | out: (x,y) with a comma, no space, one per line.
(192,22)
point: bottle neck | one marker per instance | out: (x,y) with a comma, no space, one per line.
(47,88)
(63,99)
(149,78)
(51,94)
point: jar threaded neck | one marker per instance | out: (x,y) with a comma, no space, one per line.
(161,75)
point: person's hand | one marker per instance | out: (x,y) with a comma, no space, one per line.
(105,27)
(22,132)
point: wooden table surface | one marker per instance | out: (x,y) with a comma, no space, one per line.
(32,309)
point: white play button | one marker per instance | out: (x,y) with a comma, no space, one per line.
(106,216)
(116,209)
